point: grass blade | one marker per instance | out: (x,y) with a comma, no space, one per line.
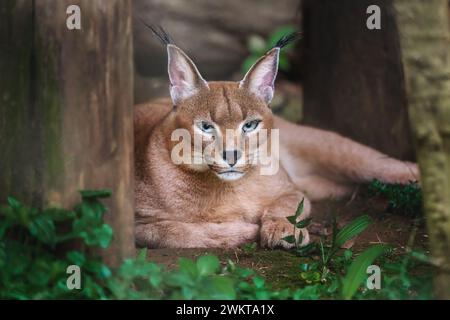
(351,230)
(356,273)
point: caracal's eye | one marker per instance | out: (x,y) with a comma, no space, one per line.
(206,127)
(250,126)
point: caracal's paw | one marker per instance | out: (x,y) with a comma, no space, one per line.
(274,230)
(229,235)
(409,172)
(415,172)
(401,173)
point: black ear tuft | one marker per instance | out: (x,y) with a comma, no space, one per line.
(160,33)
(287,39)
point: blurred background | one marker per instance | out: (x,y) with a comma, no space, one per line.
(216,34)
(352,76)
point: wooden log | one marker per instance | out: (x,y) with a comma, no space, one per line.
(66,107)
(425,47)
(353,76)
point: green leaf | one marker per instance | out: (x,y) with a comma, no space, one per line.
(142,255)
(40,276)
(207,265)
(97,236)
(351,230)
(88,212)
(348,254)
(292,219)
(334,286)
(58,214)
(156,277)
(289,239)
(188,267)
(14,203)
(221,288)
(307,293)
(303,223)
(104,272)
(243,272)
(98,268)
(356,273)
(181,278)
(300,207)
(43,228)
(127,267)
(89,194)
(92,211)
(259,282)
(188,293)
(76,258)
(104,235)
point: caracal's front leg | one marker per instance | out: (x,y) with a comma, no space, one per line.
(175,234)
(275,226)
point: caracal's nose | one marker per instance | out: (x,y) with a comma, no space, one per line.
(231,156)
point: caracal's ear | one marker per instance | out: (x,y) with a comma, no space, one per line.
(185,80)
(260,79)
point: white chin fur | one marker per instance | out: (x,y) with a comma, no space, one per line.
(230,176)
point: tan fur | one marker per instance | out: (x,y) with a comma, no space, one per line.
(182,207)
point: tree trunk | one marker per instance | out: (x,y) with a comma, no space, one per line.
(423,27)
(66,107)
(353,77)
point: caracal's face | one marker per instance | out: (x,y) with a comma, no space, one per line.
(229,129)
(224,127)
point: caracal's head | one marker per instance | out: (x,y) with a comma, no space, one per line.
(221,127)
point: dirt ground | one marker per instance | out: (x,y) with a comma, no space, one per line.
(279,267)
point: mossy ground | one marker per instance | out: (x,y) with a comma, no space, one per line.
(280,268)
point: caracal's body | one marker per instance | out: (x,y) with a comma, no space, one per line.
(183,206)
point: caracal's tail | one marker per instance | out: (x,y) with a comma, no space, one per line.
(308,153)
